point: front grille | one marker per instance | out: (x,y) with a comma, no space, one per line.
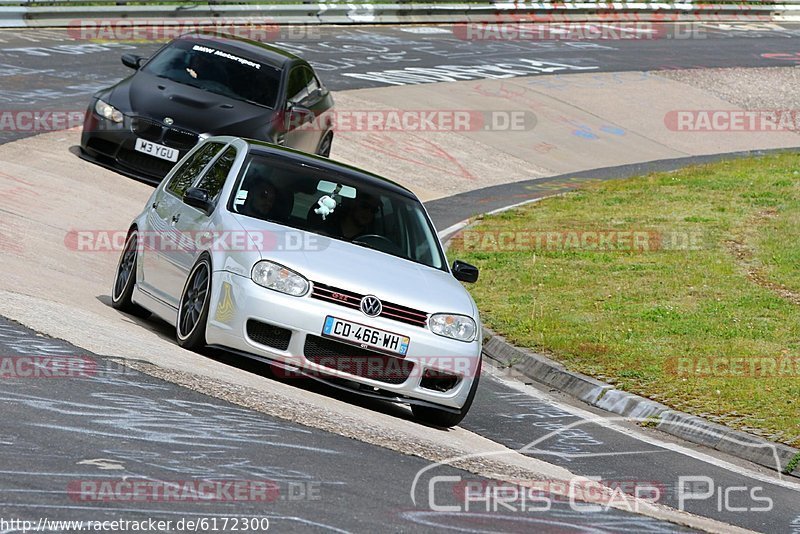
(350,299)
(357,361)
(147,129)
(337,296)
(180,139)
(269,335)
(159,133)
(144,163)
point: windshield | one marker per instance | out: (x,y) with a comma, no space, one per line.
(336,206)
(217,71)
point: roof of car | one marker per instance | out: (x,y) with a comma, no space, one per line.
(360,175)
(266,53)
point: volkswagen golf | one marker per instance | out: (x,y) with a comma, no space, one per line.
(316,267)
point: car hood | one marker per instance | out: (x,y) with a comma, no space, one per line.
(189,107)
(354,268)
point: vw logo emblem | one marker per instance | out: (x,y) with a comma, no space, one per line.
(370,305)
(168,121)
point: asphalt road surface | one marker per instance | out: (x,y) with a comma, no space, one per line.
(118,423)
(69,444)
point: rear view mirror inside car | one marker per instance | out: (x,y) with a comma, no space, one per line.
(324,186)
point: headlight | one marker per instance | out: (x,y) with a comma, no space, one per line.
(458,327)
(279,278)
(108,111)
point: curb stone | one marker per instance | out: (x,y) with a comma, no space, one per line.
(606,397)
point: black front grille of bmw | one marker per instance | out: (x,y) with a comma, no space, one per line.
(180,139)
(147,129)
(357,361)
(269,335)
(342,297)
(158,133)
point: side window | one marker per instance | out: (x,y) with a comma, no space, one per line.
(300,80)
(184,177)
(215,178)
(313,83)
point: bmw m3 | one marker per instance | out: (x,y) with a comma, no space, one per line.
(201,85)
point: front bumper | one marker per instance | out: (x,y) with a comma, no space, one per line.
(112,145)
(236,300)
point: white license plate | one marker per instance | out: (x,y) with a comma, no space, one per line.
(159,151)
(365,336)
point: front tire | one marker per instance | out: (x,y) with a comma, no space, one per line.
(125,279)
(193,306)
(441,418)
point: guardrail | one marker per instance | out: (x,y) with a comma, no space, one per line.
(64,13)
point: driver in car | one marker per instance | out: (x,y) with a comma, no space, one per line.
(359,216)
(203,67)
(261,198)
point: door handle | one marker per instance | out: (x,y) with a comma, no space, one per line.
(176,218)
(154,205)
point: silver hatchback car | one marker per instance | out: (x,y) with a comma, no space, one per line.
(321,269)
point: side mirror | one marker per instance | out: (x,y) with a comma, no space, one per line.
(465,272)
(198,198)
(296,116)
(132,61)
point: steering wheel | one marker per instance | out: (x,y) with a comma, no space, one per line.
(379,242)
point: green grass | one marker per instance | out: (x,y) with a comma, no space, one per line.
(626,315)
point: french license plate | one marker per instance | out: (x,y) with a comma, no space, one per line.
(365,336)
(159,151)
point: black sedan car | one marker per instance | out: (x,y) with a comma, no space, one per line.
(201,85)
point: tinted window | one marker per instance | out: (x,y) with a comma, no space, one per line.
(215,178)
(301,82)
(313,85)
(185,176)
(202,64)
(367,216)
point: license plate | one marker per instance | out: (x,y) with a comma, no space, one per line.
(159,151)
(365,336)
